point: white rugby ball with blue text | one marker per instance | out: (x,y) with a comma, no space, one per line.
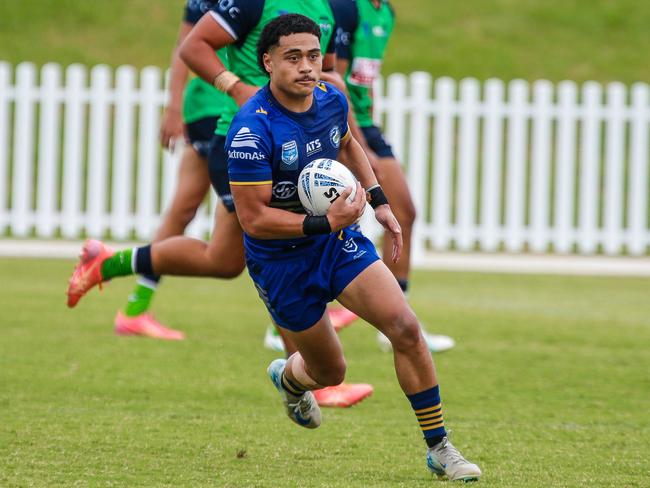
(321,182)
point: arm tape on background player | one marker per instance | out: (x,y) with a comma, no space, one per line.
(377,196)
(316,224)
(224,81)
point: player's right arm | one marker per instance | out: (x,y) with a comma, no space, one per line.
(217,29)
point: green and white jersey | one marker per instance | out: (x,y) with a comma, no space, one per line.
(244,20)
(362,34)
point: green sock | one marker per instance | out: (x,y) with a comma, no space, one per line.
(119,264)
(140,299)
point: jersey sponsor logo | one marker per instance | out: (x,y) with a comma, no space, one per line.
(251,156)
(201,5)
(379,31)
(284,190)
(261,111)
(313,147)
(290,154)
(335,136)
(364,71)
(325,25)
(342,37)
(245,138)
(228,6)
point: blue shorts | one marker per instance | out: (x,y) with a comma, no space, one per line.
(218,169)
(376,141)
(296,290)
(200,133)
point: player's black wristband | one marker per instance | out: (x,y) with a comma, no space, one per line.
(377,196)
(316,225)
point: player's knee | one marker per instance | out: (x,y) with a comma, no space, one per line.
(331,374)
(405,333)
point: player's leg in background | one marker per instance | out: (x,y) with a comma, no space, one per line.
(193,184)
(395,186)
(223,257)
(393,183)
(375,296)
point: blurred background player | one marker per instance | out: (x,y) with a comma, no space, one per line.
(363,30)
(236,24)
(192,112)
(300,262)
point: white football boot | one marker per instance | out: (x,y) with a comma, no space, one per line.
(303,409)
(272,339)
(444,459)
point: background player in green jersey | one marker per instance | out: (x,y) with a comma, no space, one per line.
(191,112)
(363,30)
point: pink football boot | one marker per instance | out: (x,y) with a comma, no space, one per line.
(343,395)
(145,325)
(88,271)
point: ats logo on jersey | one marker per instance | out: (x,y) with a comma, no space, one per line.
(290,155)
(284,190)
(335,136)
(313,147)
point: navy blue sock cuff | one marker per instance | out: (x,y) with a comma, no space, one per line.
(143,263)
(425,398)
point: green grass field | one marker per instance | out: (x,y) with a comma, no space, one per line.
(554,39)
(549,387)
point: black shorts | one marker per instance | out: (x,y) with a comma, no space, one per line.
(376,141)
(200,134)
(218,169)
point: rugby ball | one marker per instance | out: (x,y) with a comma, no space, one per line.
(321,182)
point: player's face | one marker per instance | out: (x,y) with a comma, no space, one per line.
(295,64)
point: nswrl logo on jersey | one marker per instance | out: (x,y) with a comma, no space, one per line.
(290,155)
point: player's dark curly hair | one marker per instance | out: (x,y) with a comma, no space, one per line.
(285,25)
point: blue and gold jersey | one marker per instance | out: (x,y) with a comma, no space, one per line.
(268,144)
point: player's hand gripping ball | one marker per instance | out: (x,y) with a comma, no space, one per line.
(321,182)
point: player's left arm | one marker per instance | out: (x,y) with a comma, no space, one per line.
(352,155)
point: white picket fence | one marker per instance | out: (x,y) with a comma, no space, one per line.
(492,166)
